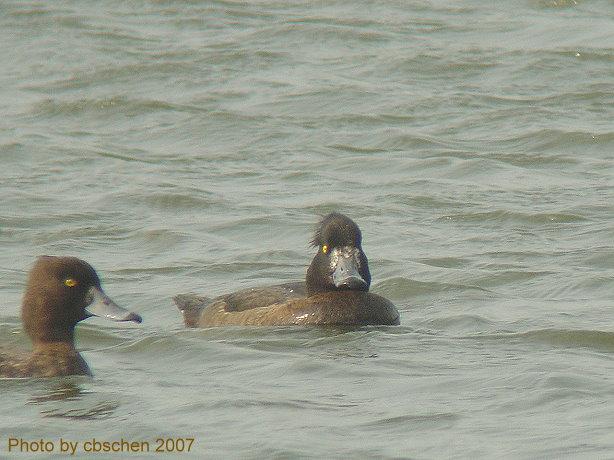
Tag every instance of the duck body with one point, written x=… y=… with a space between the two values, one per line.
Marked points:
x=60 y=292
x=321 y=309
x=50 y=360
x=335 y=292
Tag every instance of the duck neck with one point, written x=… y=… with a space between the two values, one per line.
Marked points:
x=46 y=333
x=56 y=347
x=314 y=281
x=53 y=359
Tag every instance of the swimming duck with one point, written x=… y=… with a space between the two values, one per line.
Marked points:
x=335 y=291
x=60 y=292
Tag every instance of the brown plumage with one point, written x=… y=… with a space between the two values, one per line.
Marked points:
x=335 y=291
x=60 y=292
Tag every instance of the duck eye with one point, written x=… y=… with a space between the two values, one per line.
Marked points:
x=324 y=249
x=70 y=282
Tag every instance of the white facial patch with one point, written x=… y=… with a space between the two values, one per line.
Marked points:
x=344 y=252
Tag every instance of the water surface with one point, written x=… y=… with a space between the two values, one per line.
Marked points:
x=192 y=146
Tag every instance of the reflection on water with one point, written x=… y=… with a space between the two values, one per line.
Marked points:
x=101 y=410
x=70 y=400
x=66 y=390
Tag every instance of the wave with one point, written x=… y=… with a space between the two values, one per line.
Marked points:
x=567 y=338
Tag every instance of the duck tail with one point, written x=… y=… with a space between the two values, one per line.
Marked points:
x=191 y=306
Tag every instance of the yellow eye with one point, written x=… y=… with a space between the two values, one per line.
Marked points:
x=324 y=249
x=70 y=282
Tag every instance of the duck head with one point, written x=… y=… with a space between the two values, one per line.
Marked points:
x=340 y=263
x=60 y=292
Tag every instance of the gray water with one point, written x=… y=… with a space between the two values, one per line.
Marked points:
x=192 y=146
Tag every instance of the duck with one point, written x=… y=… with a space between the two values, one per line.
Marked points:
x=335 y=291
x=60 y=292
